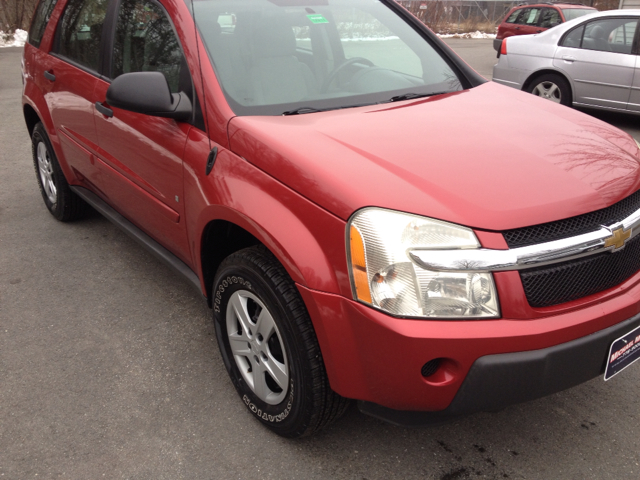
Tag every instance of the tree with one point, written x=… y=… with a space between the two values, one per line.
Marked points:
x=16 y=14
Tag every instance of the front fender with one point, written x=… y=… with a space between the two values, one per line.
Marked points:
x=306 y=239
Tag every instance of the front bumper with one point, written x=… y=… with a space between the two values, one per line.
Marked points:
x=497 y=381
x=485 y=364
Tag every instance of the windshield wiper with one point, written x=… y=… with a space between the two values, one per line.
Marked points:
x=411 y=96
x=301 y=110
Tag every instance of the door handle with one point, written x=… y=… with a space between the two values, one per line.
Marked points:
x=538 y=31
x=568 y=58
x=106 y=111
x=49 y=76
x=517 y=28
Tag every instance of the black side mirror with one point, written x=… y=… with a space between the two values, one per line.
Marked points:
x=148 y=93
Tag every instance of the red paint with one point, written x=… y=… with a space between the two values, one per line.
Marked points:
x=443 y=158
x=506 y=30
x=474 y=158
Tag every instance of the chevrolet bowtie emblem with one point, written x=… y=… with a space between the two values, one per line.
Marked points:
x=617 y=239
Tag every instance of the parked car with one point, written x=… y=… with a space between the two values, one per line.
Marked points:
x=331 y=179
x=588 y=62
x=530 y=19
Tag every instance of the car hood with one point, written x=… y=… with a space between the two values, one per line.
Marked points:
x=490 y=158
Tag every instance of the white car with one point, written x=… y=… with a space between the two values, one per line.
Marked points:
x=590 y=61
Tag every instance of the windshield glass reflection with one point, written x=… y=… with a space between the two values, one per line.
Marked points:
x=276 y=56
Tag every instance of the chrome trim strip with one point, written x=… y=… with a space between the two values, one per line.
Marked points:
x=487 y=260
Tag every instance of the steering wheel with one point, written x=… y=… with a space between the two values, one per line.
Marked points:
x=334 y=74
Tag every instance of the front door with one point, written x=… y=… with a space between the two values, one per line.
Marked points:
x=140 y=155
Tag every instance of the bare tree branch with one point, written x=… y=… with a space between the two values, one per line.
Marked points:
x=16 y=14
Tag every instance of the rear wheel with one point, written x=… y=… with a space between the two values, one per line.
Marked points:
x=58 y=197
x=552 y=87
x=269 y=345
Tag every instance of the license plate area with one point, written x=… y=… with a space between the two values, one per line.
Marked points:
x=623 y=352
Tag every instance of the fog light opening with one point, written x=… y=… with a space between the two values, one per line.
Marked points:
x=431 y=367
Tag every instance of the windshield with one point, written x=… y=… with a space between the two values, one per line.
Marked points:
x=278 y=56
x=571 y=13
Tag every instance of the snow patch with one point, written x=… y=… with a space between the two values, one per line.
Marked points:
x=18 y=39
x=476 y=34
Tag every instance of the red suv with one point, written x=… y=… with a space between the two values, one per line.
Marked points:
x=529 y=19
x=328 y=175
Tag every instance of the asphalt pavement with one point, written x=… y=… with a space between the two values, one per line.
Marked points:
x=109 y=369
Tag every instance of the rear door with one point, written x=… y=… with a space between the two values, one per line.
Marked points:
x=601 y=64
x=71 y=73
x=508 y=27
x=140 y=155
x=527 y=21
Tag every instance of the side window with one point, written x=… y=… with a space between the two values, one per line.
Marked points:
x=81 y=31
x=40 y=21
x=610 y=35
x=574 y=38
x=531 y=18
x=522 y=18
x=549 y=18
x=227 y=22
x=303 y=37
x=622 y=37
x=145 y=42
x=512 y=17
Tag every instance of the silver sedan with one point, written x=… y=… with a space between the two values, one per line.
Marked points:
x=591 y=61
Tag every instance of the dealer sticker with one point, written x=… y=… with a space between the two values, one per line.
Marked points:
x=623 y=352
x=317 y=18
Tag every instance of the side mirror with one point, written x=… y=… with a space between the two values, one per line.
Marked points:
x=148 y=93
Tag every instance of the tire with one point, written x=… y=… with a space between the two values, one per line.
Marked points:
x=63 y=204
x=269 y=346
x=552 y=87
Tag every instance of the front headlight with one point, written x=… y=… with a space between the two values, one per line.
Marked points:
x=383 y=275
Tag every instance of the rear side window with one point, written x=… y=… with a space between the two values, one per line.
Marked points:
x=145 y=42
x=512 y=17
x=550 y=17
x=574 y=38
x=571 y=13
x=610 y=35
x=529 y=16
x=40 y=21
x=81 y=31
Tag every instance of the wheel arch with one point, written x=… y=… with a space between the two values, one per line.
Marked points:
x=302 y=241
x=31 y=117
x=221 y=238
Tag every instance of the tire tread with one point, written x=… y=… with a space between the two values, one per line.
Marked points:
x=329 y=406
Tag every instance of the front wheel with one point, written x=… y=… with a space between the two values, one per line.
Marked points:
x=552 y=87
x=269 y=346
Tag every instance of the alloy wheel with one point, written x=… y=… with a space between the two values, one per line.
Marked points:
x=548 y=90
x=45 y=168
x=257 y=347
